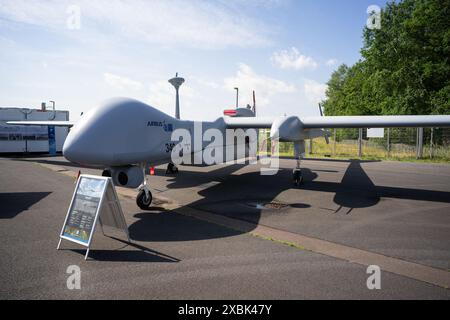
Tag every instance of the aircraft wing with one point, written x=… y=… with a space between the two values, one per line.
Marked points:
x=43 y=123
x=343 y=121
x=375 y=121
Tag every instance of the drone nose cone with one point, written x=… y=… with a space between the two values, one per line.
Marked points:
x=115 y=133
x=72 y=150
x=84 y=150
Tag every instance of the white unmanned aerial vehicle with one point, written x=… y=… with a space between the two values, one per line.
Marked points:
x=124 y=136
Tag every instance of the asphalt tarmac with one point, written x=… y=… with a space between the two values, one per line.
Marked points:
x=227 y=232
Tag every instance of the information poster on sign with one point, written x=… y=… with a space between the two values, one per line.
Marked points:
x=84 y=208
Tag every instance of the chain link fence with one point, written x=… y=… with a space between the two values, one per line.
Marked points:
x=396 y=144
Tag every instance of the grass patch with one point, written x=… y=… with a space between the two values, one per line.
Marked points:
x=287 y=243
x=348 y=149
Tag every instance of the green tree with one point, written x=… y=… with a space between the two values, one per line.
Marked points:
x=404 y=68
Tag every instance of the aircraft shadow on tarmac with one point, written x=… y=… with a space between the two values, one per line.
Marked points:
x=243 y=196
x=356 y=190
x=11 y=204
x=231 y=195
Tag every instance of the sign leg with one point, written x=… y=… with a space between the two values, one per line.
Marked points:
x=86 y=256
x=59 y=244
x=101 y=225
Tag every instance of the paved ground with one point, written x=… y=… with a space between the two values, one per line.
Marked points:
x=398 y=211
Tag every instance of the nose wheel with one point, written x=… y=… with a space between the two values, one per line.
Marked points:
x=106 y=173
x=144 y=199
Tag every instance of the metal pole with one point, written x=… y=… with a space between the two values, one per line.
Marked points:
x=360 y=143
x=310 y=146
x=419 y=143
x=237 y=97
x=431 y=143
x=388 y=141
x=334 y=143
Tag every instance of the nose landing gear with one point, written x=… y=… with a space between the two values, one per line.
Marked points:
x=299 y=149
x=144 y=197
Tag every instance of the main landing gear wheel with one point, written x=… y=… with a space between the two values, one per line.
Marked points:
x=171 y=169
x=143 y=200
x=297 y=177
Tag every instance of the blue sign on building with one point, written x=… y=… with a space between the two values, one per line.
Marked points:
x=51 y=140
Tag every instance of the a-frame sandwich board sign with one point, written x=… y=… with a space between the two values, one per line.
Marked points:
x=94 y=201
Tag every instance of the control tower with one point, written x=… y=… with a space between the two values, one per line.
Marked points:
x=177 y=82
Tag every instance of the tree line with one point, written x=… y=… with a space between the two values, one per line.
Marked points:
x=404 y=66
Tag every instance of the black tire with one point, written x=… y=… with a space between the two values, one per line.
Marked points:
x=106 y=173
x=171 y=169
x=142 y=201
x=297 y=177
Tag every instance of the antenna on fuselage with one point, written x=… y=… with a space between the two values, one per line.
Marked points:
x=177 y=82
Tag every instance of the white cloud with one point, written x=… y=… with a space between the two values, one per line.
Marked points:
x=293 y=59
x=122 y=83
x=192 y=23
x=266 y=87
x=331 y=62
x=314 y=91
x=205 y=82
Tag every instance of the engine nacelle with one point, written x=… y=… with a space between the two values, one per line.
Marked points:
x=130 y=177
x=287 y=129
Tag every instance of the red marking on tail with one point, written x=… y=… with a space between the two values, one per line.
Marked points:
x=229 y=112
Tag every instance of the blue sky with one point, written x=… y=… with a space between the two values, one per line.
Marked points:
x=286 y=50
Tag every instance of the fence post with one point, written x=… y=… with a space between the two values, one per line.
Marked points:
x=360 y=142
x=334 y=143
x=310 y=146
x=419 y=143
x=431 y=143
x=388 y=141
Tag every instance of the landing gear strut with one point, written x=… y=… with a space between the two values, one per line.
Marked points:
x=297 y=174
x=299 y=149
x=171 y=168
x=144 y=197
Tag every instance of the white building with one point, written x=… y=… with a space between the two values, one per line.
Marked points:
x=31 y=138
